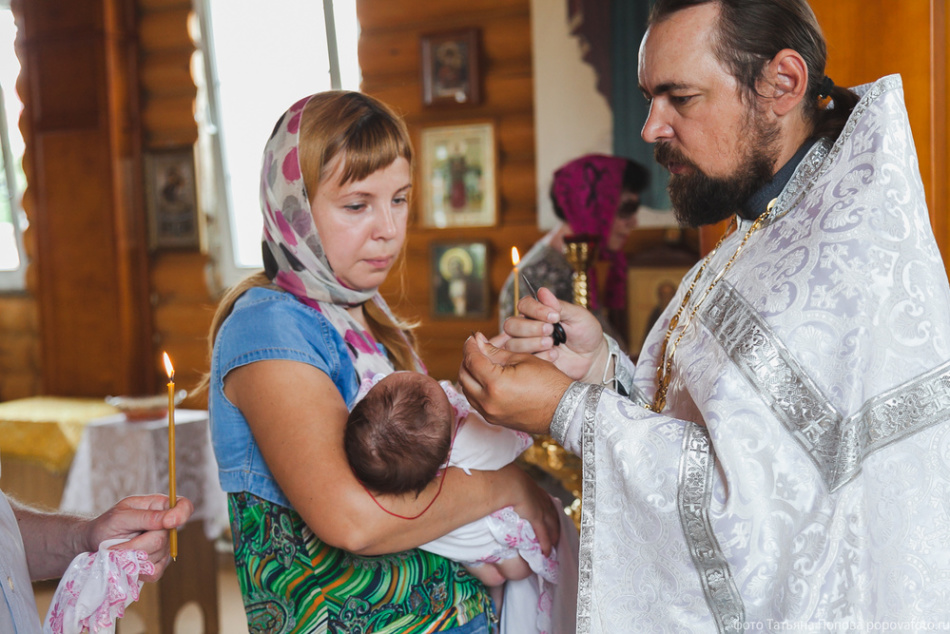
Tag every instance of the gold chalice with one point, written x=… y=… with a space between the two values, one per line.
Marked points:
x=580 y=251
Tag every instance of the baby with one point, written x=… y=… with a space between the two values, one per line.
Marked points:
x=404 y=430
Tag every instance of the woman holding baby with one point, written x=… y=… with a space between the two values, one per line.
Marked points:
x=314 y=552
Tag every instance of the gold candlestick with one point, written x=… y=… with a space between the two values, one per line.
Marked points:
x=580 y=251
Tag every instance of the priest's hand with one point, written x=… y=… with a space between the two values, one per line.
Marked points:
x=511 y=389
x=532 y=332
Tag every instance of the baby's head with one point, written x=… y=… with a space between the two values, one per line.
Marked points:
x=399 y=435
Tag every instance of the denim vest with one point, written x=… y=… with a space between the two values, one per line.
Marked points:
x=267 y=324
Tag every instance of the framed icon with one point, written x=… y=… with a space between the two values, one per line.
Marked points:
x=172 y=199
x=458 y=176
x=649 y=291
x=459 y=280
x=450 y=74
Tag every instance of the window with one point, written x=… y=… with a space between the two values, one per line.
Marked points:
x=257 y=59
x=12 y=180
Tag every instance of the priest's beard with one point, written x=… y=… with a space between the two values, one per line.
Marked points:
x=699 y=199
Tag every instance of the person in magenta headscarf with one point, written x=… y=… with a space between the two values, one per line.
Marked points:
x=597 y=195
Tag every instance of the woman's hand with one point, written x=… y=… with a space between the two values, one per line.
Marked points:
x=531 y=332
x=535 y=506
x=511 y=389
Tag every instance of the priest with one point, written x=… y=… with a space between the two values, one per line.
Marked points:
x=779 y=457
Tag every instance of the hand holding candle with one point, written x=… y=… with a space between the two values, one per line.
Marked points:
x=173 y=535
x=515 y=258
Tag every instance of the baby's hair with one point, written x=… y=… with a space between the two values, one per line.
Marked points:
x=391 y=443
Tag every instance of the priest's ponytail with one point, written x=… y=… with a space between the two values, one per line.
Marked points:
x=831 y=111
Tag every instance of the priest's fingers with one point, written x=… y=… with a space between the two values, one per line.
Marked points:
x=499 y=340
x=485 y=377
x=583 y=330
x=545 y=309
x=548 y=300
x=582 y=346
x=534 y=330
x=481 y=363
x=515 y=390
x=498 y=354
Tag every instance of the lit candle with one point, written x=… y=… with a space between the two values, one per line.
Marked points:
x=515 y=258
x=173 y=535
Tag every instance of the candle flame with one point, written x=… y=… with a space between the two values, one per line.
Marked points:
x=515 y=258
x=168 y=366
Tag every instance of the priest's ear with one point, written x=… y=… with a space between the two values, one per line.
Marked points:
x=784 y=82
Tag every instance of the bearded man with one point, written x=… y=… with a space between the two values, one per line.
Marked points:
x=780 y=456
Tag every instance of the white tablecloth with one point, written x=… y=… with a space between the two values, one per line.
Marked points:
x=116 y=458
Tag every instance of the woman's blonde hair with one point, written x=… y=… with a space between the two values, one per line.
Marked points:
x=367 y=136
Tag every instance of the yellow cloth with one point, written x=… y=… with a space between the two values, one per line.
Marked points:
x=47 y=429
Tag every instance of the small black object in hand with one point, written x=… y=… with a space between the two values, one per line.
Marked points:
x=558 y=335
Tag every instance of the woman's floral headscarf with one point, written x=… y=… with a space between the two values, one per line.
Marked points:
x=587 y=190
x=294 y=258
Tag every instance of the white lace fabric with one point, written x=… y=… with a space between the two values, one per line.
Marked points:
x=96 y=589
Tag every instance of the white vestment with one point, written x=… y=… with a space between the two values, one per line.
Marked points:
x=798 y=478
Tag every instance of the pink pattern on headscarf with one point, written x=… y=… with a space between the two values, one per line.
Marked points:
x=291 y=167
x=290 y=282
x=285 y=229
x=360 y=342
x=588 y=190
x=294 y=124
x=312 y=303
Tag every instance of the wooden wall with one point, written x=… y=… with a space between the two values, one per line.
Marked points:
x=102 y=82
x=182 y=305
x=19 y=347
x=910 y=37
x=390 y=62
x=78 y=86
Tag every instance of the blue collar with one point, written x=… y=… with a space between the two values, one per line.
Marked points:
x=756 y=204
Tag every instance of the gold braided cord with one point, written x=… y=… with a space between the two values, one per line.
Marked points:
x=664 y=370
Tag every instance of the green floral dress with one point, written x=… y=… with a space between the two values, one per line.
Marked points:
x=293 y=582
